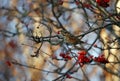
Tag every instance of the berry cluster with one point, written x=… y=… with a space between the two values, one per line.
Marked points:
x=65 y=56
x=8 y=63
x=103 y=3
x=101 y=59
x=82 y=58
x=12 y=44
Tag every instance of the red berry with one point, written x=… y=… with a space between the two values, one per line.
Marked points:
x=106 y=1
x=68 y=76
x=101 y=59
x=68 y=57
x=103 y=3
x=98 y=1
x=58 y=32
x=13 y=44
x=62 y=55
x=77 y=2
x=65 y=56
x=95 y=45
x=91 y=56
x=8 y=63
x=82 y=52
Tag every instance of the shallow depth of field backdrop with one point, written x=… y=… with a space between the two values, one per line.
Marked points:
x=59 y=40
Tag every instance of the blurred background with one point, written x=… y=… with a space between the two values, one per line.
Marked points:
x=32 y=47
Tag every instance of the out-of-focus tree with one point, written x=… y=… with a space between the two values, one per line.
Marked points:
x=59 y=40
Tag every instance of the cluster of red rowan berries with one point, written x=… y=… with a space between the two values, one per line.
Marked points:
x=101 y=59
x=83 y=58
x=66 y=56
x=102 y=3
